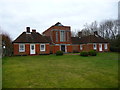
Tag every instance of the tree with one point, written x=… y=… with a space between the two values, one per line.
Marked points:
x=108 y=29
x=89 y=28
x=74 y=33
x=6 y=44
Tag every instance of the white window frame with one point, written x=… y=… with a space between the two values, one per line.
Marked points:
x=41 y=48
x=95 y=46
x=62 y=36
x=105 y=46
x=81 y=47
x=21 y=50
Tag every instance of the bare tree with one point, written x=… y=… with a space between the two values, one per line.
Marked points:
x=6 y=44
x=89 y=29
x=108 y=29
x=74 y=33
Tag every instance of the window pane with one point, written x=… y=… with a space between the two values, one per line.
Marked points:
x=32 y=47
x=105 y=45
x=80 y=47
x=21 y=47
x=94 y=46
x=42 y=47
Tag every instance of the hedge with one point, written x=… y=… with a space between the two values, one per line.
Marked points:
x=84 y=53
x=92 y=53
x=59 y=53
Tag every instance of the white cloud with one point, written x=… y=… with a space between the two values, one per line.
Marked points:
x=15 y=15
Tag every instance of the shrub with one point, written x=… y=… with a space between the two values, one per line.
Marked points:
x=114 y=49
x=92 y=53
x=59 y=53
x=84 y=53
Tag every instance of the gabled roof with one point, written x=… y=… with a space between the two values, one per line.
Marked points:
x=88 y=39
x=58 y=24
x=33 y=37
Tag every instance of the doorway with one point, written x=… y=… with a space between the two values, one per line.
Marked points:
x=32 y=48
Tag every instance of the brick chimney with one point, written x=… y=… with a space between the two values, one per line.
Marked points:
x=28 y=29
x=79 y=34
x=34 y=30
x=95 y=33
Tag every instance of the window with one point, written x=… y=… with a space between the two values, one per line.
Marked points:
x=81 y=47
x=56 y=36
x=42 y=47
x=67 y=36
x=21 y=47
x=62 y=36
x=94 y=46
x=32 y=47
x=105 y=46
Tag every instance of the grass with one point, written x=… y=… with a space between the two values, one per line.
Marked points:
x=67 y=71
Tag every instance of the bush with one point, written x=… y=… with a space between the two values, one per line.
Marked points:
x=59 y=53
x=92 y=53
x=114 y=49
x=84 y=53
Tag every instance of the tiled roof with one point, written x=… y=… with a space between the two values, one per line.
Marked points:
x=75 y=40
x=34 y=37
x=88 y=39
x=48 y=39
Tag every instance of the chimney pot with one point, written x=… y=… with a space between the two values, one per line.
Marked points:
x=33 y=30
x=79 y=34
x=28 y=29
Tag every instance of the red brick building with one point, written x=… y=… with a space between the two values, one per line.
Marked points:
x=55 y=38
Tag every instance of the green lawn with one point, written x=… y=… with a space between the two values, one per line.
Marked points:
x=68 y=71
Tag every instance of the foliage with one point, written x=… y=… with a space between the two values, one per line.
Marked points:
x=59 y=53
x=84 y=53
x=114 y=49
x=107 y=29
x=115 y=44
x=6 y=45
x=92 y=53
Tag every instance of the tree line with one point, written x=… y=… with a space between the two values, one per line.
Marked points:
x=107 y=29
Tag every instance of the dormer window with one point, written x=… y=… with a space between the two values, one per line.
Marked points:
x=58 y=24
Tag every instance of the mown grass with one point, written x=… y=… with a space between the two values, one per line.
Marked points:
x=67 y=71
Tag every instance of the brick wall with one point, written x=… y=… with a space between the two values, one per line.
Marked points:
x=69 y=48
x=88 y=47
x=52 y=33
x=27 y=49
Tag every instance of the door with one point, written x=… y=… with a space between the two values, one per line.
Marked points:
x=32 y=48
x=100 y=47
x=63 y=48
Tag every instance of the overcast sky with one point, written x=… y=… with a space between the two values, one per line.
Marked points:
x=15 y=15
